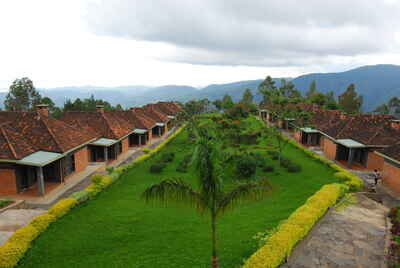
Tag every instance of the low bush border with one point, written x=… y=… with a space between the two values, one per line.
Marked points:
x=14 y=249
x=279 y=244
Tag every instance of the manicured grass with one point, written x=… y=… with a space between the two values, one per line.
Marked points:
x=120 y=230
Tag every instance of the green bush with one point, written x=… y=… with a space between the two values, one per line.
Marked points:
x=146 y=150
x=259 y=158
x=97 y=178
x=81 y=196
x=285 y=162
x=167 y=157
x=110 y=169
x=246 y=167
x=268 y=168
x=157 y=167
x=294 y=168
x=274 y=155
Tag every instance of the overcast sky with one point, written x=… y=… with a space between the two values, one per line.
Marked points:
x=193 y=42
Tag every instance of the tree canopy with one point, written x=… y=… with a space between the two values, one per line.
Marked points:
x=22 y=96
x=350 y=101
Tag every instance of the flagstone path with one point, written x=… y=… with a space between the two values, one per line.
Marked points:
x=347 y=237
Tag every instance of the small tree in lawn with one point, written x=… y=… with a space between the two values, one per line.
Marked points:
x=209 y=198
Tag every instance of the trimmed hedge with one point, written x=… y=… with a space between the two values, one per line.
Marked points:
x=278 y=246
x=62 y=207
x=16 y=246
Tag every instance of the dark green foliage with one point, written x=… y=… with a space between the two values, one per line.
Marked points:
x=285 y=162
x=268 y=168
x=246 y=167
x=22 y=96
x=293 y=168
x=274 y=155
x=157 y=167
x=350 y=101
x=167 y=157
x=183 y=165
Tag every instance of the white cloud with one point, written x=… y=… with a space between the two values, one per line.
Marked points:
x=108 y=43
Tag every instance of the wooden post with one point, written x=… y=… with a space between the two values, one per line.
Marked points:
x=105 y=154
x=351 y=156
x=40 y=181
x=140 y=139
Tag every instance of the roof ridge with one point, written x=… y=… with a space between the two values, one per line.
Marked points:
x=8 y=142
x=108 y=124
x=51 y=133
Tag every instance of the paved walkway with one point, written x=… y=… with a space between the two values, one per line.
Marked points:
x=86 y=181
x=348 y=237
x=12 y=219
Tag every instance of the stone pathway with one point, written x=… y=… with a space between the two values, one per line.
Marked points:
x=12 y=219
x=353 y=236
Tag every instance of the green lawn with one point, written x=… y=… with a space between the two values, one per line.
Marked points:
x=120 y=230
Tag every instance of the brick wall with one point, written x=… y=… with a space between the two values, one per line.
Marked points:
x=165 y=129
x=125 y=145
x=329 y=148
x=8 y=182
x=81 y=159
x=391 y=176
x=297 y=136
x=375 y=161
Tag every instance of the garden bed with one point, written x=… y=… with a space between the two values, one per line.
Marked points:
x=121 y=230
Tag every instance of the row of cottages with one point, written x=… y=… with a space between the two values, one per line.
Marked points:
x=38 y=152
x=363 y=142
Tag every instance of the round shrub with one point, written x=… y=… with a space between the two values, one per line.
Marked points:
x=268 y=168
x=110 y=169
x=285 y=162
x=167 y=157
x=157 y=168
x=97 y=178
x=294 y=168
x=246 y=167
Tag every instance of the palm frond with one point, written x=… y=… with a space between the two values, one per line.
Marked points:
x=243 y=192
x=173 y=191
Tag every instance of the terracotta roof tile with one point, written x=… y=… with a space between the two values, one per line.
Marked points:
x=38 y=132
x=106 y=124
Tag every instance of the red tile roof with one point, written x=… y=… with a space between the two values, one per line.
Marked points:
x=29 y=132
x=137 y=120
x=392 y=152
x=161 y=108
x=152 y=112
x=106 y=124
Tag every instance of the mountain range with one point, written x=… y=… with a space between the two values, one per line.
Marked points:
x=376 y=84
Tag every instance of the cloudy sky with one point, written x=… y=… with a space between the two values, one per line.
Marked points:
x=193 y=42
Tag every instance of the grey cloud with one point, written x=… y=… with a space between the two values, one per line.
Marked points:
x=254 y=32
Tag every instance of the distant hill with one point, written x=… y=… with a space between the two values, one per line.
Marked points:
x=376 y=83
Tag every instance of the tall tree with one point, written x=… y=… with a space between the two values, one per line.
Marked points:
x=247 y=96
x=382 y=109
x=209 y=198
x=350 y=101
x=227 y=102
x=266 y=88
x=22 y=96
x=331 y=102
x=311 y=90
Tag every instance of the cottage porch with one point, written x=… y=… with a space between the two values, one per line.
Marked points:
x=352 y=154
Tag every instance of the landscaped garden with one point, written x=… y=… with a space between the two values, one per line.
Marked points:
x=120 y=229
